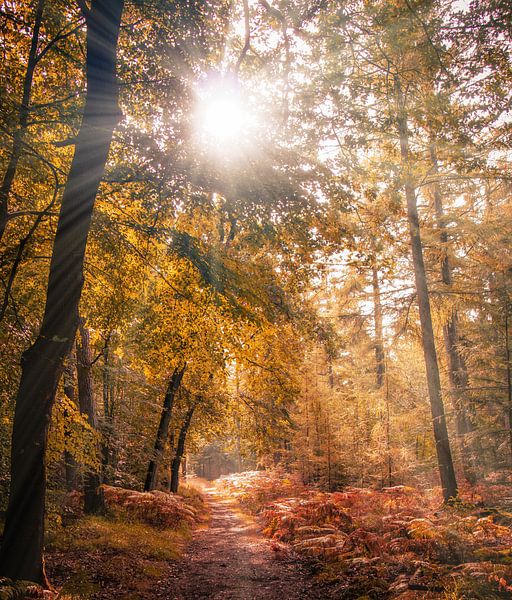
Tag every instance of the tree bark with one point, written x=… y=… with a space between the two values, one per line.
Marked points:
x=180 y=449
x=93 y=498
x=21 y=551
x=19 y=134
x=163 y=428
x=443 y=450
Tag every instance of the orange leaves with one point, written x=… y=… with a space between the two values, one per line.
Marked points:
x=324 y=546
x=158 y=509
x=394 y=539
x=423 y=529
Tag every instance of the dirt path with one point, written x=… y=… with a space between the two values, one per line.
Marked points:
x=232 y=560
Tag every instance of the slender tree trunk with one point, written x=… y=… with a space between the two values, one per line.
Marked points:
x=380 y=368
x=70 y=464
x=238 y=424
x=107 y=424
x=180 y=449
x=388 y=432
x=457 y=369
x=19 y=134
x=329 y=453
x=21 y=551
x=93 y=497
x=163 y=428
x=172 y=451
x=444 y=455
x=381 y=375
x=509 y=373
x=307 y=450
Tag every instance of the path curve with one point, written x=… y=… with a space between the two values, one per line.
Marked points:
x=231 y=560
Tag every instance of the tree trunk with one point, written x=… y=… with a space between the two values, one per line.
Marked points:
x=21 y=552
x=508 y=370
x=388 y=434
x=107 y=425
x=93 y=498
x=457 y=369
x=444 y=455
x=163 y=428
x=180 y=449
x=19 y=134
x=70 y=463
x=380 y=367
x=238 y=422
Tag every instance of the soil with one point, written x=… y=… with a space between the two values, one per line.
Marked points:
x=232 y=560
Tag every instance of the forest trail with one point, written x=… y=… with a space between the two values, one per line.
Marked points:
x=232 y=560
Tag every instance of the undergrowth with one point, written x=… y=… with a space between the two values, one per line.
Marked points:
x=126 y=549
x=385 y=543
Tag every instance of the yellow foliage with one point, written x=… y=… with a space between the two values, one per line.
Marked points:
x=423 y=529
x=71 y=432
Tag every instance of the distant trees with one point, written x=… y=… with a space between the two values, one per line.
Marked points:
x=388 y=81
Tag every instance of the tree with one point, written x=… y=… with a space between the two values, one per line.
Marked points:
x=17 y=140
x=180 y=450
x=21 y=551
x=445 y=462
x=93 y=498
x=163 y=428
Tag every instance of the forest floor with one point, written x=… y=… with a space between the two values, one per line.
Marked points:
x=226 y=558
x=232 y=560
x=263 y=535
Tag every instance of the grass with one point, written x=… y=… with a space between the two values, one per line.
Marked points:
x=126 y=554
x=100 y=533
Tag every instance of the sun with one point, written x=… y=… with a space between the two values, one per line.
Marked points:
x=223 y=117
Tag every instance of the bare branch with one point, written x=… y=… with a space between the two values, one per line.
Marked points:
x=25 y=213
x=247 y=43
x=60 y=36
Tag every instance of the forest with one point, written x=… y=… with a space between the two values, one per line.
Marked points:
x=255 y=299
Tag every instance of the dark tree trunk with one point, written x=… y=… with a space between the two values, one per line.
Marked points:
x=70 y=463
x=93 y=497
x=107 y=425
x=444 y=455
x=163 y=428
x=457 y=369
x=180 y=449
x=22 y=545
x=19 y=134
